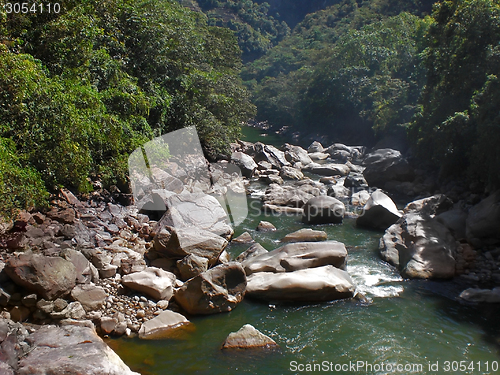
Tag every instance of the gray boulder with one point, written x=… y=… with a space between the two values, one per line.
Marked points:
x=455 y=221
x=483 y=222
x=191 y=265
x=180 y=243
x=288 y=196
x=217 y=290
x=247 y=337
x=270 y=154
x=244 y=162
x=90 y=296
x=323 y=210
x=70 y=350
x=50 y=277
x=317 y=156
x=305 y=235
x=325 y=283
x=196 y=211
x=328 y=169
x=315 y=147
x=380 y=212
x=290 y=173
x=265 y=226
x=385 y=165
x=430 y=206
x=355 y=180
x=297 y=256
x=153 y=281
x=296 y=154
x=420 y=247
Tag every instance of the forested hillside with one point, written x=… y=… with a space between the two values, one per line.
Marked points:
x=362 y=71
x=81 y=89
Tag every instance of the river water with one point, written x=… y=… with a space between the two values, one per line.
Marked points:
x=409 y=326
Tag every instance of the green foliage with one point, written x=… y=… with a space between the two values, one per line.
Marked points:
x=255 y=29
x=81 y=90
x=19 y=186
x=341 y=77
x=457 y=125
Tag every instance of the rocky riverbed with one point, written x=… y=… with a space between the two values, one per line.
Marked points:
x=96 y=265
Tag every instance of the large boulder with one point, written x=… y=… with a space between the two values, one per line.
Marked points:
x=315 y=147
x=297 y=256
x=70 y=350
x=289 y=196
x=247 y=337
x=455 y=221
x=431 y=206
x=380 y=212
x=162 y=325
x=270 y=154
x=420 y=246
x=244 y=162
x=196 y=211
x=328 y=169
x=290 y=173
x=219 y=289
x=296 y=154
x=152 y=281
x=384 y=165
x=179 y=243
x=325 y=283
x=50 y=277
x=305 y=235
x=191 y=266
x=323 y=210
x=91 y=297
x=483 y=222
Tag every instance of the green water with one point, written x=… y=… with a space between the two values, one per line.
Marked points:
x=253 y=135
x=408 y=322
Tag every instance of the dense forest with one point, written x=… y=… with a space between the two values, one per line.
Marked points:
x=82 y=88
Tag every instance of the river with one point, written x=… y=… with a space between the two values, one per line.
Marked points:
x=409 y=326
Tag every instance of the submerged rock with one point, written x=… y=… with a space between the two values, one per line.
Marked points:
x=162 y=325
x=247 y=337
x=481 y=295
x=325 y=283
x=305 y=235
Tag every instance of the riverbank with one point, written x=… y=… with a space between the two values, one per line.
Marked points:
x=105 y=241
